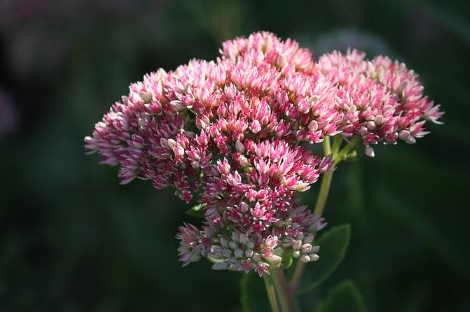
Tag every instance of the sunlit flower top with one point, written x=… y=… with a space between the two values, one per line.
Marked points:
x=235 y=135
x=380 y=100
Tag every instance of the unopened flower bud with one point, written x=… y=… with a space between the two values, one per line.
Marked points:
x=255 y=126
x=146 y=97
x=275 y=259
x=306 y=248
x=363 y=130
x=239 y=147
x=224 y=242
x=297 y=244
x=313 y=125
x=281 y=61
x=220 y=265
x=238 y=253
x=195 y=258
x=369 y=151
x=233 y=245
x=244 y=239
x=171 y=143
x=244 y=208
x=410 y=139
x=302 y=186
x=379 y=120
x=243 y=161
x=142 y=121
x=309 y=239
x=404 y=134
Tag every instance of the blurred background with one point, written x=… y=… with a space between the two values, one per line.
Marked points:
x=73 y=239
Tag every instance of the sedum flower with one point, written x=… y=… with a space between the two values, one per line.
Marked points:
x=380 y=99
x=233 y=247
x=235 y=135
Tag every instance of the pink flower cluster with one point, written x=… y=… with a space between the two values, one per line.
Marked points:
x=235 y=134
x=380 y=100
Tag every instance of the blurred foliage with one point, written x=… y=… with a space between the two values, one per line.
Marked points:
x=73 y=239
x=334 y=244
x=344 y=297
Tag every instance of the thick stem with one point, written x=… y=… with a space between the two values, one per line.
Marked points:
x=324 y=191
x=295 y=280
x=284 y=293
x=336 y=144
x=284 y=290
x=338 y=156
x=268 y=282
x=319 y=207
x=325 y=182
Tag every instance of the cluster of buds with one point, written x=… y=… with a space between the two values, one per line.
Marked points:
x=235 y=135
x=380 y=99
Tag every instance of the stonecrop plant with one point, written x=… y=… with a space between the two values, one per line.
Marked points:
x=237 y=136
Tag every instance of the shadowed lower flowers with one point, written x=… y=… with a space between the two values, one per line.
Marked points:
x=235 y=134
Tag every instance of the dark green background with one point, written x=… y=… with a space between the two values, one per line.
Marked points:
x=73 y=239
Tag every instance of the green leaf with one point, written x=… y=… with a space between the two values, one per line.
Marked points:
x=333 y=245
x=344 y=297
x=197 y=211
x=253 y=294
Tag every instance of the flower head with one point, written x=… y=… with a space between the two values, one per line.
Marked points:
x=235 y=134
x=380 y=100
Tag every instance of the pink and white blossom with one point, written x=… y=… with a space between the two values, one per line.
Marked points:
x=236 y=133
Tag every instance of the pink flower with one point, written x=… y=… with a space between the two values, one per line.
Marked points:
x=381 y=100
x=236 y=133
x=193 y=244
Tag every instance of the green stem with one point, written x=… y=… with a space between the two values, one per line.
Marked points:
x=295 y=280
x=326 y=146
x=324 y=191
x=337 y=156
x=319 y=207
x=284 y=294
x=271 y=293
x=336 y=144
x=328 y=176
x=286 y=291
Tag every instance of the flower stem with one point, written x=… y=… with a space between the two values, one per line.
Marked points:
x=294 y=282
x=319 y=207
x=268 y=282
x=324 y=190
x=284 y=293
x=338 y=156
x=337 y=153
x=336 y=144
